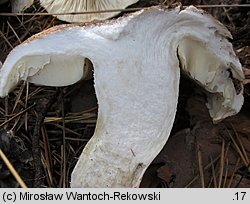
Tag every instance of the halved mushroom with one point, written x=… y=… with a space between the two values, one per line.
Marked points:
x=136 y=72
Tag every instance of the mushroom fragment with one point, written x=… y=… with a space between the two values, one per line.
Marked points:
x=74 y=6
x=20 y=5
x=136 y=73
x=69 y=6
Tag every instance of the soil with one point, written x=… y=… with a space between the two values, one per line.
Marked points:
x=43 y=141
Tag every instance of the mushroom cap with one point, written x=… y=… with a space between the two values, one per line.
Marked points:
x=68 y=6
x=20 y=5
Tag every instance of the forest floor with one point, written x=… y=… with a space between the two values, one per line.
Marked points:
x=43 y=141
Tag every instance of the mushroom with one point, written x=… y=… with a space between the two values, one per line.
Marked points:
x=69 y=6
x=136 y=62
x=20 y=5
x=72 y=6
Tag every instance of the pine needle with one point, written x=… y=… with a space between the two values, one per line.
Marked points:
x=213 y=173
x=201 y=168
x=12 y=169
x=221 y=163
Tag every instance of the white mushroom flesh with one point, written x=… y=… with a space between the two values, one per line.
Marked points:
x=45 y=69
x=136 y=75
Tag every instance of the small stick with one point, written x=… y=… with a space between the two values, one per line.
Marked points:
x=36 y=139
x=118 y=10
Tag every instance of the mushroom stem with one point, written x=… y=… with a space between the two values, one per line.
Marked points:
x=137 y=97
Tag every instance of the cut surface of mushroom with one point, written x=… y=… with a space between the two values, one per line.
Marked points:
x=136 y=63
x=69 y=6
x=46 y=69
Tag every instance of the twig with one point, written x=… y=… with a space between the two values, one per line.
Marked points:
x=35 y=140
x=85 y=118
x=118 y=10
